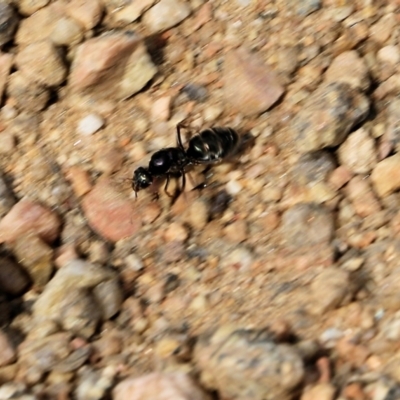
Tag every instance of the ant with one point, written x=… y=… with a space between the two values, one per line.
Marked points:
x=210 y=146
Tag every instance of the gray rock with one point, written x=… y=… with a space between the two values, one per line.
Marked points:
x=7 y=199
x=28 y=95
x=41 y=355
x=306 y=7
x=314 y=167
x=68 y=299
x=13 y=279
x=307 y=224
x=8 y=23
x=248 y=364
x=327 y=116
x=109 y=296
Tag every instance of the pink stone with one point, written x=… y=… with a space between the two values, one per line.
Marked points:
x=29 y=217
x=110 y=214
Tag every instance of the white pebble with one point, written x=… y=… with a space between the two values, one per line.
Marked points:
x=9 y=112
x=90 y=124
x=233 y=187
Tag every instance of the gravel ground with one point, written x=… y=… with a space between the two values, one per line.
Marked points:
x=279 y=280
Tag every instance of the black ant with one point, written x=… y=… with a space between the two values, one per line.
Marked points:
x=210 y=146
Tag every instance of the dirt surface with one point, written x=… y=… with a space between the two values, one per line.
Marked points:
x=278 y=280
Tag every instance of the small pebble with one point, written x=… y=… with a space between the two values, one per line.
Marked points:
x=66 y=32
x=166 y=14
x=176 y=232
x=320 y=391
x=385 y=176
x=90 y=124
x=161 y=109
x=108 y=159
x=87 y=12
x=233 y=187
x=358 y=152
x=349 y=67
x=328 y=290
x=196 y=92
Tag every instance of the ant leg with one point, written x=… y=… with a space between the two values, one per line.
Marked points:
x=166 y=186
x=178 y=135
x=183 y=181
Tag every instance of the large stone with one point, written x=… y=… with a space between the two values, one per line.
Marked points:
x=328 y=115
x=250 y=87
x=115 y=65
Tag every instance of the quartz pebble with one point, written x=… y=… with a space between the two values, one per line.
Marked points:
x=66 y=32
x=159 y=386
x=27 y=216
x=90 y=124
x=248 y=364
x=250 y=87
x=166 y=14
x=358 y=152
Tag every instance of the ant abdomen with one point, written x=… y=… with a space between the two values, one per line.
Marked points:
x=213 y=145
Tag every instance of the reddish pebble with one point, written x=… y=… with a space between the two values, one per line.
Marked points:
x=110 y=214
x=29 y=217
x=339 y=177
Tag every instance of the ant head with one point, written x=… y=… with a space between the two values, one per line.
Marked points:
x=142 y=179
